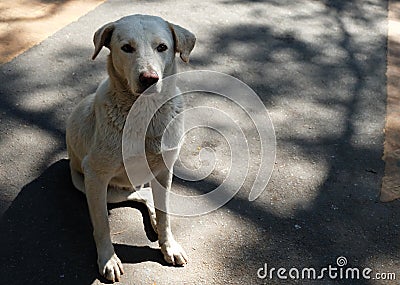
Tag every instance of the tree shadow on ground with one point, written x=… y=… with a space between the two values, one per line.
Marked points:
x=345 y=218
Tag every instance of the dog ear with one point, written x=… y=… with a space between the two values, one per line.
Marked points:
x=184 y=41
x=102 y=37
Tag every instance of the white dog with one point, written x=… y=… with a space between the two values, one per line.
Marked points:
x=142 y=52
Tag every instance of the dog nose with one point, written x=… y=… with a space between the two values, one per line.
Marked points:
x=148 y=78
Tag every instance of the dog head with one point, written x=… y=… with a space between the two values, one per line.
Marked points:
x=142 y=49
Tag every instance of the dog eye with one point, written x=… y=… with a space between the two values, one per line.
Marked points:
x=162 y=47
x=127 y=48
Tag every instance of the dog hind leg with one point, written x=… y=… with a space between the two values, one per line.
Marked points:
x=78 y=180
x=140 y=194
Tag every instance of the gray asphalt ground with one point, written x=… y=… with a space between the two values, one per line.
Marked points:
x=319 y=68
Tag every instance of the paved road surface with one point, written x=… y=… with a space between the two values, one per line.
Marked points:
x=319 y=68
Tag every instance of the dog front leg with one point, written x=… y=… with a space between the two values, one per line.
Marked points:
x=172 y=251
x=96 y=184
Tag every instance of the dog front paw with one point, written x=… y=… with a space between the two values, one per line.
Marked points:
x=111 y=268
x=174 y=253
